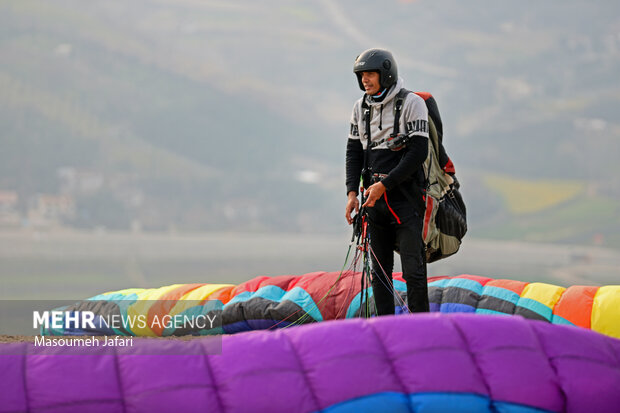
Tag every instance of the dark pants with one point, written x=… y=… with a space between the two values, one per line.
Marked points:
x=386 y=233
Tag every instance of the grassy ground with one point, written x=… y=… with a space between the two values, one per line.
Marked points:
x=526 y=197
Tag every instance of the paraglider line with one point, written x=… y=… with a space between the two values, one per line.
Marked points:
x=306 y=314
x=390 y=283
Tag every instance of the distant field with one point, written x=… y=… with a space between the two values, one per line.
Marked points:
x=582 y=220
x=74 y=265
x=525 y=196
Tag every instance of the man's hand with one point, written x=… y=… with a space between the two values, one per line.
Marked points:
x=373 y=193
x=352 y=203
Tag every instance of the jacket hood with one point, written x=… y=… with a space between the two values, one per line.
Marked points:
x=391 y=93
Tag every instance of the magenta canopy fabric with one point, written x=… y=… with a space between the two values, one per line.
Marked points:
x=408 y=363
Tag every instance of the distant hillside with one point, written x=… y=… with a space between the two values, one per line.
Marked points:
x=214 y=115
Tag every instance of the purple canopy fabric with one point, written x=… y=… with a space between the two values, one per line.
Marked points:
x=413 y=363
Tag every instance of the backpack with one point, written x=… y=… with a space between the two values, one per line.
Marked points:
x=445 y=215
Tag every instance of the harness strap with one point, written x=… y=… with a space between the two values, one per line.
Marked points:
x=375 y=144
x=366 y=111
x=398 y=106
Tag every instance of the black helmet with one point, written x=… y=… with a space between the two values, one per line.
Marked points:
x=376 y=60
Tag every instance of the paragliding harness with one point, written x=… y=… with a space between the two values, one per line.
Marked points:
x=445 y=215
x=360 y=235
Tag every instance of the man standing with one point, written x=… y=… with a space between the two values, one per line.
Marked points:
x=392 y=176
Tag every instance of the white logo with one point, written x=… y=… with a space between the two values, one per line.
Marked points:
x=361 y=63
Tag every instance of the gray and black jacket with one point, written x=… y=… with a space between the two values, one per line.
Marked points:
x=403 y=168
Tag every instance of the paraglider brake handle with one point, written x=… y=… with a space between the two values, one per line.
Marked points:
x=358 y=219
